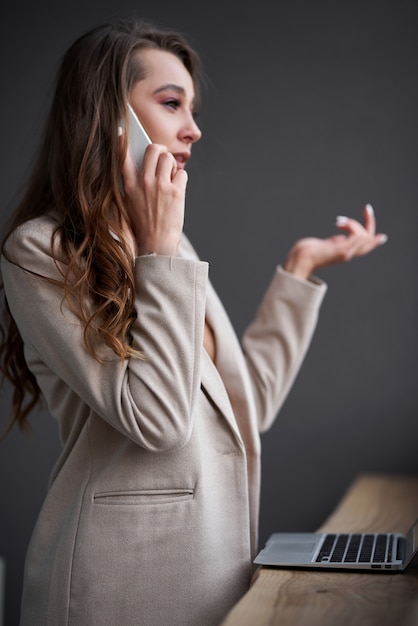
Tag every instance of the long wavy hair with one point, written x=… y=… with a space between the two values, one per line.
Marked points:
x=76 y=175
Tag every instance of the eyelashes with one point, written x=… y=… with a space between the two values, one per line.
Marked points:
x=172 y=103
x=175 y=104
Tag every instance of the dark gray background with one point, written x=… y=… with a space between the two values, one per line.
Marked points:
x=310 y=111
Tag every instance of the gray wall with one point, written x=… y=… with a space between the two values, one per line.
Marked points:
x=310 y=111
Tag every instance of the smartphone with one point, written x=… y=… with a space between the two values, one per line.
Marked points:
x=138 y=139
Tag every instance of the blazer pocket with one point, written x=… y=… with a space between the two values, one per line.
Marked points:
x=143 y=496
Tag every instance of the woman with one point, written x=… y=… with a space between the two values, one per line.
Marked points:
x=151 y=512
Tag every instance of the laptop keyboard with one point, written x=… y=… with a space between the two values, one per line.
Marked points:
x=358 y=548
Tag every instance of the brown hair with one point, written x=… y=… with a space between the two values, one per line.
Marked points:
x=76 y=174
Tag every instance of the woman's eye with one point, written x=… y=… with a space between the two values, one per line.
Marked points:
x=172 y=103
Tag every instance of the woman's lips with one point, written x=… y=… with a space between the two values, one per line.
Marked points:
x=181 y=159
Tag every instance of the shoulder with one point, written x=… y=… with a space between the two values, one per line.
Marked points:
x=35 y=234
x=30 y=242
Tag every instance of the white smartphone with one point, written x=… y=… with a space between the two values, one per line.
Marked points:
x=138 y=139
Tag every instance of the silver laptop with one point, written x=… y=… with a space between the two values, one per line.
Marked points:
x=354 y=551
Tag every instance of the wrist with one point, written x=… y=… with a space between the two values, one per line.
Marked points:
x=163 y=249
x=298 y=265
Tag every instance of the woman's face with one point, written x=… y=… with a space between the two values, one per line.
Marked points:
x=164 y=103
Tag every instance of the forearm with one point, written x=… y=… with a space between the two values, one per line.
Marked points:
x=276 y=342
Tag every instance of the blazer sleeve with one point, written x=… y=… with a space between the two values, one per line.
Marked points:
x=276 y=342
x=151 y=400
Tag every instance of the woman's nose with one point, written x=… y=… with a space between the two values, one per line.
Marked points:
x=191 y=131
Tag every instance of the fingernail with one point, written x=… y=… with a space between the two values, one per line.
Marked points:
x=341 y=219
x=120 y=130
x=370 y=209
x=383 y=239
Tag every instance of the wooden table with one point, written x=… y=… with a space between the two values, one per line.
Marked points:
x=282 y=597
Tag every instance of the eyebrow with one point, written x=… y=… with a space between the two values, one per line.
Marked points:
x=172 y=86
x=177 y=88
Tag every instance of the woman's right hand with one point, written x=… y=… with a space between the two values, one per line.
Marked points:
x=155 y=200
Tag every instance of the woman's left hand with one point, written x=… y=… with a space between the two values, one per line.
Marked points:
x=310 y=254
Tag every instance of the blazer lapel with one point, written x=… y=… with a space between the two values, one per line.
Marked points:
x=214 y=387
x=226 y=381
x=232 y=371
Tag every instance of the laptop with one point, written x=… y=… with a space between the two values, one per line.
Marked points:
x=350 y=551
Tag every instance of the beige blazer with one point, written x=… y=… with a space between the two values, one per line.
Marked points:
x=151 y=514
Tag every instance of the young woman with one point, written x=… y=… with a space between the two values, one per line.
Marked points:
x=151 y=513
